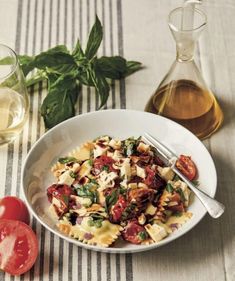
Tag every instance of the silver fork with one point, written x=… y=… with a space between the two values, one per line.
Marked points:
x=213 y=207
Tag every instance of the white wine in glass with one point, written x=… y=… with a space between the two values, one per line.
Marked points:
x=14 y=102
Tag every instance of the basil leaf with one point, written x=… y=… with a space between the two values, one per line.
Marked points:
x=26 y=63
x=132 y=66
x=180 y=191
x=88 y=192
x=101 y=86
x=111 y=199
x=94 y=40
x=65 y=160
x=78 y=53
x=169 y=188
x=111 y=67
x=58 y=105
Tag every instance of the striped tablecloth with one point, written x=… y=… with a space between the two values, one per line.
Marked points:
x=136 y=29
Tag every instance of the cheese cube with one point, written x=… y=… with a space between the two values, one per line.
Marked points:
x=156 y=232
x=166 y=173
x=65 y=178
x=140 y=172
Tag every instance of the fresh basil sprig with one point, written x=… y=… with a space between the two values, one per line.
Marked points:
x=66 y=71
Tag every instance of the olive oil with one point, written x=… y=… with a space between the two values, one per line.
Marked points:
x=189 y=105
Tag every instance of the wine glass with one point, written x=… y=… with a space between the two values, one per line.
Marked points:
x=14 y=101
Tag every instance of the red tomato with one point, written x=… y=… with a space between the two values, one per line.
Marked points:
x=187 y=167
x=13 y=208
x=18 y=247
x=103 y=161
x=118 y=208
x=132 y=232
x=59 y=191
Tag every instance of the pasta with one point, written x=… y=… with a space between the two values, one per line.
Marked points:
x=109 y=189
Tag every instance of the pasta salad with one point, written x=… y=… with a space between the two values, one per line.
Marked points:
x=108 y=189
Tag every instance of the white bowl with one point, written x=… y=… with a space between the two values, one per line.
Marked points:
x=36 y=175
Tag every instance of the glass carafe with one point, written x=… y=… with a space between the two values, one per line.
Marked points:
x=183 y=95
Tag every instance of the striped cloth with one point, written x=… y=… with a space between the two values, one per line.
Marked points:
x=137 y=30
x=41 y=25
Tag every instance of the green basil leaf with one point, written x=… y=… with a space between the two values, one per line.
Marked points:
x=78 y=53
x=169 y=188
x=101 y=86
x=58 y=105
x=65 y=160
x=111 y=199
x=180 y=191
x=94 y=40
x=26 y=63
x=132 y=66
x=111 y=67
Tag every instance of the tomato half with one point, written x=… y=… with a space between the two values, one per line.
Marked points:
x=132 y=232
x=18 y=247
x=187 y=167
x=13 y=208
x=118 y=208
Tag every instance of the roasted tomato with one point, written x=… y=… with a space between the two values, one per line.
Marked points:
x=103 y=162
x=62 y=194
x=178 y=205
x=187 y=167
x=140 y=197
x=134 y=232
x=117 y=209
x=153 y=180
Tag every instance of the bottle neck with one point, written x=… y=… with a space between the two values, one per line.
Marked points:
x=185 y=50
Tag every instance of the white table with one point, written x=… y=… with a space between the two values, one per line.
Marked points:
x=138 y=30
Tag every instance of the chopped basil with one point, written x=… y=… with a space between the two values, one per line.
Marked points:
x=143 y=235
x=180 y=191
x=128 y=210
x=105 y=168
x=93 y=181
x=177 y=214
x=195 y=182
x=176 y=178
x=169 y=188
x=95 y=220
x=65 y=199
x=90 y=162
x=130 y=146
x=87 y=191
x=111 y=199
x=65 y=160
x=73 y=175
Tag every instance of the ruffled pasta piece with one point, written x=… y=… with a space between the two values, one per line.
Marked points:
x=162 y=203
x=148 y=241
x=83 y=152
x=57 y=169
x=174 y=222
x=103 y=236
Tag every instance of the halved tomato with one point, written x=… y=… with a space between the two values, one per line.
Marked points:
x=18 y=247
x=13 y=208
x=187 y=167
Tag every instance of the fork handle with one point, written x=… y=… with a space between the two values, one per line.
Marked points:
x=213 y=207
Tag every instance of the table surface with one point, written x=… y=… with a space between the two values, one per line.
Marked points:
x=138 y=30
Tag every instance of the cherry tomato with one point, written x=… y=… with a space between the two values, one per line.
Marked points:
x=134 y=232
x=18 y=247
x=103 y=162
x=118 y=208
x=187 y=167
x=14 y=208
x=153 y=180
x=62 y=194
